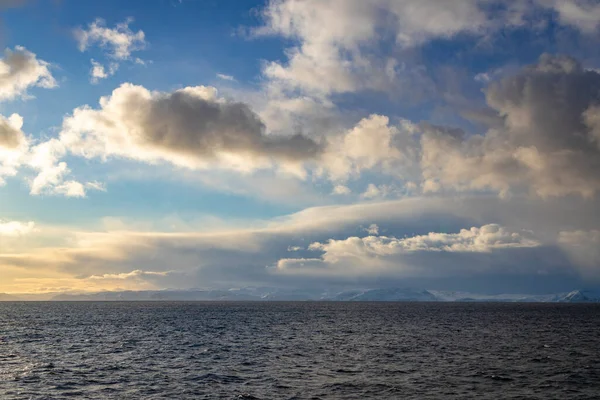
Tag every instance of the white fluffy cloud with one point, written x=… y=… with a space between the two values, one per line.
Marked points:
x=51 y=178
x=99 y=72
x=118 y=43
x=373 y=143
x=20 y=70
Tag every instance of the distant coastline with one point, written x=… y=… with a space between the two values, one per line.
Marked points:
x=274 y=294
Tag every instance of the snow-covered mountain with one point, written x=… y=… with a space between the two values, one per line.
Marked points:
x=580 y=296
x=282 y=294
x=505 y=298
x=395 y=294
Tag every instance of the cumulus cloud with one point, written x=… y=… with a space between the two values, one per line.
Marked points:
x=51 y=172
x=118 y=43
x=352 y=45
x=190 y=127
x=20 y=70
x=546 y=140
x=373 y=143
x=11 y=135
x=548 y=143
x=99 y=72
x=13 y=146
x=338 y=40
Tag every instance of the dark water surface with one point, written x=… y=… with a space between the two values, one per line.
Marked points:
x=299 y=351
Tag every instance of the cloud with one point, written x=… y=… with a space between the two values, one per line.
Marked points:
x=582 y=14
x=545 y=140
x=133 y=280
x=341 y=190
x=346 y=46
x=364 y=255
x=380 y=191
x=548 y=143
x=19 y=70
x=51 y=179
x=16 y=228
x=240 y=256
x=190 y=127
x=118 y=43
x=11 y=135
x=13 y=146
x=372 y=144
x=226 y=77
x=372 y=230
x=98 y=71
x=340 y=42
x=128 y=275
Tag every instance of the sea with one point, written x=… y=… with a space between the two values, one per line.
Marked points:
x=298 y=350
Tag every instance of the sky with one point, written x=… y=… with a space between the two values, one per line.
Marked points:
x=179 y=144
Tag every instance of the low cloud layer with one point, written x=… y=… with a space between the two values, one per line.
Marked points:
x=422 y=242
x=376 y=254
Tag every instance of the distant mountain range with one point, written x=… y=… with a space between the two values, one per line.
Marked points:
x=274 y=294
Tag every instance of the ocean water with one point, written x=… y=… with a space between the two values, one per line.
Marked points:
x=299 y=351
